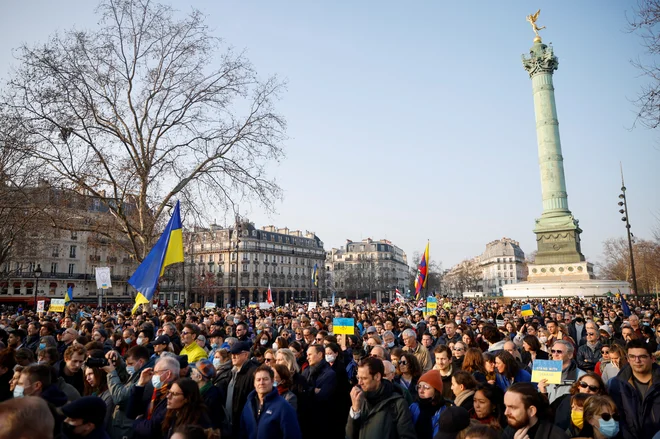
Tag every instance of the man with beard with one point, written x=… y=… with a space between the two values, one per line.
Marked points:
x=377 y=410
x=526 y=414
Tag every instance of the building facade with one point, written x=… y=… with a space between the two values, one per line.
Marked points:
x=236 y=265
x=502 y=263
x=366 y=270
x=49 y=260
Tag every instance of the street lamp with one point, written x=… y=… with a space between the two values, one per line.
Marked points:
x=625 y=218
x=37 y=275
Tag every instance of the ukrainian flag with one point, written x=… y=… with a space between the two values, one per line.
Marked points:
x=315 y=275
x=526 y=310
x=68 y=296
x=167 y=251
x=343 y=325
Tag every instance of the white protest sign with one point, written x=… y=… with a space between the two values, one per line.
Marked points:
x=311 y=305
x=103 y=280
x=209 y=305
x=41 y=305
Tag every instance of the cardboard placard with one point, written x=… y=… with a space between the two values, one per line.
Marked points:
x=56 y=305
x=41 y=305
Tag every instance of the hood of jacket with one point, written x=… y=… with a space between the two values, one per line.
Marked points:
x=626 y=374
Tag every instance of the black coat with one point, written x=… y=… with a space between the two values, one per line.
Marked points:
x=242 y=388
x=326 y=400
x=639 y=419
x=545 y=431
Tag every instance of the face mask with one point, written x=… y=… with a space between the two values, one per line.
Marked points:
x=578 y=418
x=608 y=428
x=607 y=322
x=263 y=342
x=42 y=345
x=155 y=381
x=18 y=391
x=236 y=321
x=579 y=320
x=275 y=346
x=139 y=341
x=458 y=321
x=216 y=363
x=130 y=370
x=128 y=340
x=275 y=384
x=258 y=331
x=543 y=339
x=214 y=345
x=298 y=337
x=330 y=358
x=390 y=344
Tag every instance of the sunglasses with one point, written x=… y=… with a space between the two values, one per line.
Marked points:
x=268 y=360
x=402 y=363
x=606 y=417
x=591 y=333
x=556 y=351
x=584 y=385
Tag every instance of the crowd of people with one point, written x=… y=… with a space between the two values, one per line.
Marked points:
x=463 y=371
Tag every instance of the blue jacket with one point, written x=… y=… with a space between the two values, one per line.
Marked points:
x=144 y=428
x=521 y=377
x=639 y=419
x=414 y=412
x=278 y=419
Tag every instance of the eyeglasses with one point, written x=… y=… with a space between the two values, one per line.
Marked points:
x=591 y=333
x=186 y=333
x=584 y=385
x=268 y=360
x=319 y=339
x=606 y=417
x=458 y=349
x=556 y=351
x=171 y=394
x=423 y=387
x=632 y=357
x=403 y=363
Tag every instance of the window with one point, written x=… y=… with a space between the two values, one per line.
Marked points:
x=72 y=251
x=74 y=235
x=498 y=260
x=233 y=256
x=256 y=257
x=221 y=268
x=233 y=269
x=72 y=268
x=56 y=251
x=211 y=258
x=245 y=267
x=201 y=258
x=53 y=267
x=511 y=274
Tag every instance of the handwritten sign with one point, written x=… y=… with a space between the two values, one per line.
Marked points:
x=431 y=305
x=546 y=370
x=342 y=325
x=56 y=305
x=209 y=305
x=41 y=305
x=103 y=279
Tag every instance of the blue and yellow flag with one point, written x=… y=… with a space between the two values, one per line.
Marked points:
x=343 y=325
x=526 y=310
x=315 y=275
x=68 y=296
x=167 y=251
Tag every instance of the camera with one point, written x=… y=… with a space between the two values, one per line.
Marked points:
x=96 y=362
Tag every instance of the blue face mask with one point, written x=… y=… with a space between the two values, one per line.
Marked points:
x=214 y=345
x=155 y=381
x=608 y=428
x=42 y=345
x=130 y=370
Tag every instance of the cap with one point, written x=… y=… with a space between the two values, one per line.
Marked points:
x=606 y=329
x=241 y=346
x=201 y=338
x=161 y=339
x=88 y=408
x=453 y=420
x=432 y=378
x=102 y=332
x=205 y=367
x=371 y=329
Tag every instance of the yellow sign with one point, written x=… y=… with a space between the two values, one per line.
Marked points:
x=546 y=370
x=342 y=325
x=56 y=305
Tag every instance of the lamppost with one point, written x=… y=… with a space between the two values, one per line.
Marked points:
x=37 y=275
x=624 y=210
x=203 y=276
x=238 y=241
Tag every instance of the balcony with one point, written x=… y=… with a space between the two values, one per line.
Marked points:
x=95 y=258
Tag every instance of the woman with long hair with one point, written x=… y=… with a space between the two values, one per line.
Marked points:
x=184 y=407
x=410 y=372
x=488 y=406
x=468 y=339
x=473 y=363
x=589 y=384
x=489 y=366
x=509 y=371
x=282 y=381
x=298 y=386
x=577 y=419
x=463 y=386
x=96 y=384
x=617 y=362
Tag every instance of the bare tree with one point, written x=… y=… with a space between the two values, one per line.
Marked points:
x=645 y=21
x=617 y=262
x=147 y=109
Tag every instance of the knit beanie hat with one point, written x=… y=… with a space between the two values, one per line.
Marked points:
x=433 y=379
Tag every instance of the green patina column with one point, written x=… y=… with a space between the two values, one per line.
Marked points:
x=557 y=231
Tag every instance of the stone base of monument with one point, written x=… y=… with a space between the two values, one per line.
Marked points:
x=565 y=288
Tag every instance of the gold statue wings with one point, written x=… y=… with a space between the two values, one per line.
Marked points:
x=534 y=17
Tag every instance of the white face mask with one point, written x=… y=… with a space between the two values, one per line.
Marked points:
x=19 y=391
x=543 y=339
x=330 y=358
x=263 y=342
x=139 y=341
x=216 y=363
x=275 y=383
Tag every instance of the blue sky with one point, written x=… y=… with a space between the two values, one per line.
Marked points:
x=414 y=120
